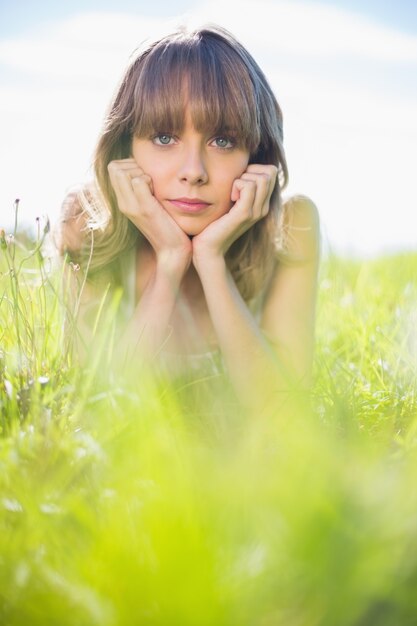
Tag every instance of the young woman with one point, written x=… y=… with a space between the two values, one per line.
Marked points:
x=185 y=215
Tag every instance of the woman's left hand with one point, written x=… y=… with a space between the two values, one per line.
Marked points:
x=251 y=194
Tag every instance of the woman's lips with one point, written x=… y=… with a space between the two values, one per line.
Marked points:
x=190 y=205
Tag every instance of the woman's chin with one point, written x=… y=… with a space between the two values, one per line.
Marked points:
x=191 y=226
x=192 y=232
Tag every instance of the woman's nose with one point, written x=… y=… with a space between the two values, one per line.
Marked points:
x=193 y=168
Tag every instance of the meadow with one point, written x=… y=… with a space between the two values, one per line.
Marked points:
x=136 y=501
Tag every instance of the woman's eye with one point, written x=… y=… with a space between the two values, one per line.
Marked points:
x=162 y=139
x=223 y=142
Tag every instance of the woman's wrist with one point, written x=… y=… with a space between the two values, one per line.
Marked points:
x=207 y=265
x=173 y=263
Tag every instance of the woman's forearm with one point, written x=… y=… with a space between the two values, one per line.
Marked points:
x=258 y=374
x=145 y=332
x=148 y=328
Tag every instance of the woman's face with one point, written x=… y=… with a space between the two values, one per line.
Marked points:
x=192 y=173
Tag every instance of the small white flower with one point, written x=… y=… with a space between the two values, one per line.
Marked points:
x=8 y=388
x=12 y=505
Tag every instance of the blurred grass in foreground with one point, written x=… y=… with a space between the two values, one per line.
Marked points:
x=121 y=505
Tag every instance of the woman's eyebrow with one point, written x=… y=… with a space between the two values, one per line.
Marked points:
x=225 y=130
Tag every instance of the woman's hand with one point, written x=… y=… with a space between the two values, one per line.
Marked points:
x=134 y=193
x=251 y=194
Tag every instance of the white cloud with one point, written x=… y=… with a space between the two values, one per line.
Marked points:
x=306 y=28
x=103 y=40
x=90 y=45
x=350 y=145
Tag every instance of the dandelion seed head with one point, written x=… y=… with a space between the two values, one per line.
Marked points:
x=8 y=387
x=12 y=505
x=22 y=574
x=49 y=508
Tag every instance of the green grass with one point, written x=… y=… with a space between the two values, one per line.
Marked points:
x=128 y=502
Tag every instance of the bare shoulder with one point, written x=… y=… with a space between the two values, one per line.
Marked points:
x=70 y=230
x=301 y=211
x=299 y=236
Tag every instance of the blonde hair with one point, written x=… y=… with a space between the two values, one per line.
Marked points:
x=226 y=90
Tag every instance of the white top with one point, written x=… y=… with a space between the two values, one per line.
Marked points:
x=208 y=363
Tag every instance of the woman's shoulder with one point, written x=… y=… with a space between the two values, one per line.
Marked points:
x=300 y=210
x=299 y=230
x=72 y=225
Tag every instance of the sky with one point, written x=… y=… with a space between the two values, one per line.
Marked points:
x=345 y=74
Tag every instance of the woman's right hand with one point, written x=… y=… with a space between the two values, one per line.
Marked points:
x=134 y=193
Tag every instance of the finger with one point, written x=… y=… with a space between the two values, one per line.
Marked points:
x=126 y=165
x=269 y=170
x=129 y=195
x=142 y=186
x=243 y=193
x=139 y=175
x=123 y=189
x=261 y=168
x=131 y=169
x=122 y=162
x=263 y=192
